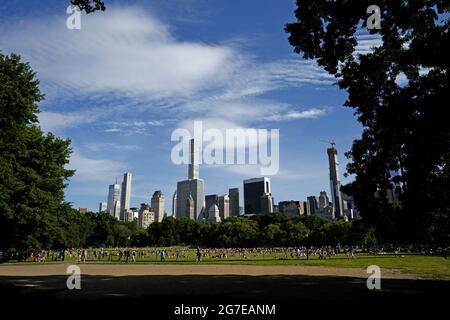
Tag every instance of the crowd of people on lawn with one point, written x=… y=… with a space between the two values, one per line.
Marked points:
x=185 y=253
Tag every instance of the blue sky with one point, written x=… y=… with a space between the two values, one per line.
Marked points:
x=121 y=84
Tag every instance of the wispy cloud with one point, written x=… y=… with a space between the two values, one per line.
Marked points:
x=101 y=147
x=94 y=170
x=53 y=121
x=125 y=51
x=312 y=113
x=131 y=56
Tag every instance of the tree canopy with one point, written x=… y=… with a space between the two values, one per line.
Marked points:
x=89 y=6
x=398 y=92
x=32 y=164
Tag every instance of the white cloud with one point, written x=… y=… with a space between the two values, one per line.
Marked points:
x=101 y=147
x=123 y=51
x=94 y=170
x=295 y=115
x=248 y=111
x=53 y=121
x=128 y=63
x=112 y=130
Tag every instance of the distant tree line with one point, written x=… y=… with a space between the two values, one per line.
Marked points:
x=270 y=230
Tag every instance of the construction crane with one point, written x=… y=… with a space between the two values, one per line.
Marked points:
x=330 y=142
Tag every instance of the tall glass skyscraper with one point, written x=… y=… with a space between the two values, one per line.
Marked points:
x=125 y=199
x=254 y=189
x=113 y=196
x=234 y=202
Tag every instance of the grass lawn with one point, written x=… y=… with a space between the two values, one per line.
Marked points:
x=435 y=267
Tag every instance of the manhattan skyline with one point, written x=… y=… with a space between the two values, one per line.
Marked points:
x=120 y=114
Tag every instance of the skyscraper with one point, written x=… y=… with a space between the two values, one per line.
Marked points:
x=335 y=184
x=254 y=189
x=323 y=200
x=190 y=207
x=174 y=204
x=233 y=193
x=224 y=207
x=210 y=200
x=193 y=187
x=102 y=207
x=146 y=216
x=266 y=203
x=193 y=160
x=214 y=213
x=125 y=197
x=304 y=208
x=291 y=208
x=113 y=196
x=312 y=205
x=116 y=210
x=157 y=204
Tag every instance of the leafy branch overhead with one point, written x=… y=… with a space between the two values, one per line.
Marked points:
x=399 y=93
x=89 y=6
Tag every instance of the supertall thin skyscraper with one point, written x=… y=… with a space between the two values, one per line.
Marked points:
x=125 y=198
x=193 y=160
x=335 y=184
x=192 y=188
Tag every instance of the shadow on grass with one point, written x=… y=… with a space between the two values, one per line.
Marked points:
x=212 y=289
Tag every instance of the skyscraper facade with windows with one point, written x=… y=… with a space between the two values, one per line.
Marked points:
x=254 y=189
x=125 y=198
x=233 y=194
x=193 y=188
x=113 y=196
x=157 y=205
x=335 y=184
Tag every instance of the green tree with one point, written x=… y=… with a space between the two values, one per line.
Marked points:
x=32 y=172
x=398 y=92
x=295 y=233
x=169 y=235
x=273 y=235
x=89 y=6
x=360 y=233
x=103 y=233
x=336 y=232
x=237 y=233
x=122 y=235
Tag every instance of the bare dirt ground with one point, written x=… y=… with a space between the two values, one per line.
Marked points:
x=119 y=270
x=158 y=289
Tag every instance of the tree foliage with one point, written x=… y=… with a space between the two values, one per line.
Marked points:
x=398 y=92
x=89 y=6
x=32 y=172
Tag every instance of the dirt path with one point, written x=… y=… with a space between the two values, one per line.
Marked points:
x=149 y=269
